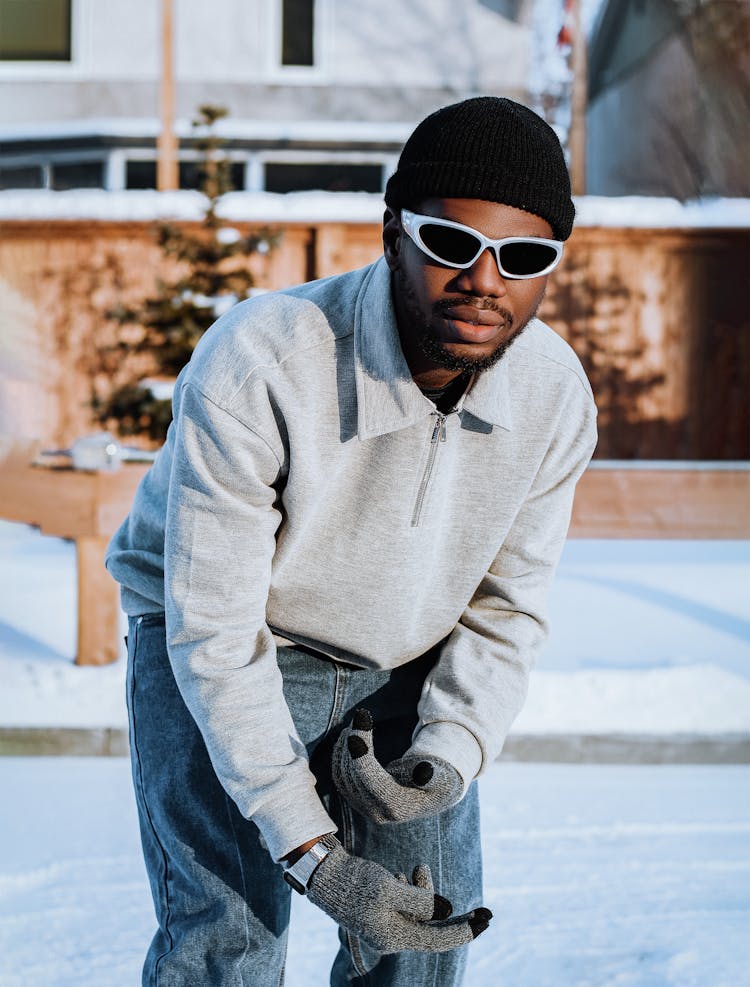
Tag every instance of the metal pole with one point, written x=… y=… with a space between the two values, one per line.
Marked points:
x=578 y=101
x=167 y=173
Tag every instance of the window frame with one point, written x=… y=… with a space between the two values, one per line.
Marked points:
x=322 y=36
x=311 y=8
x=45 y=69
x=69 y=57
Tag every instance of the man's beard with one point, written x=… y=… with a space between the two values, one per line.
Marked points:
x=436 y=350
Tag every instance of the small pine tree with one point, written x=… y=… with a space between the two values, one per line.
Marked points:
x=164 y=328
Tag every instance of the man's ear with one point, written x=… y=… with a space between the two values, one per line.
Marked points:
x=391 y=238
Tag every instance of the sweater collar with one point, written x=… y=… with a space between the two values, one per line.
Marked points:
x=387 y=397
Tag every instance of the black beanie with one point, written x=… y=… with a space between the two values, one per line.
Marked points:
x=488 y=148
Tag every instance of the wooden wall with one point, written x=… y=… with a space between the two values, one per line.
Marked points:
x=659 y=317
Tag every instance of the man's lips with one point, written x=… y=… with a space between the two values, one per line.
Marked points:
x=472 y=324
x=473 y=315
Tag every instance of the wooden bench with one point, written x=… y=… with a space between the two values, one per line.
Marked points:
x=86 y=507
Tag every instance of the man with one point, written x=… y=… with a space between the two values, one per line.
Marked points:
x=335 y=574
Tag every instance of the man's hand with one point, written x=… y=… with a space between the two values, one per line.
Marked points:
x=388 y=912
x=411 y=787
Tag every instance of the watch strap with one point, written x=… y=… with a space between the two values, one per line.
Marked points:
x=299 y=874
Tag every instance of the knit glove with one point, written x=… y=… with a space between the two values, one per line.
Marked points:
x=388 y=912
x=411 y=787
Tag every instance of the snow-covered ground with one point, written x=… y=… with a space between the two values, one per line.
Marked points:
x=598 y=875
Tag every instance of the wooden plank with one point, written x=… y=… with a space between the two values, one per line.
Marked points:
x=67 y=503
x=167 y=145
x=114 y=496
x=98 y=605
x=330 y=250
x=662 y=503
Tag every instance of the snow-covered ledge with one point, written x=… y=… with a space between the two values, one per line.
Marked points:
x=342 y=207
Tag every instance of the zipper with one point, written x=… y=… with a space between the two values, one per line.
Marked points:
x=438 y=436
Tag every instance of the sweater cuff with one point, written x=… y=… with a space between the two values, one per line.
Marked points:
x=298 y=818
x=454 y=744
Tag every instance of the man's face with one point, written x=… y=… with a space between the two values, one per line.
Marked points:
x=451 y=320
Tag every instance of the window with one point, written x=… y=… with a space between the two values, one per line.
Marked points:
x=191 y=177
x=297 y=32
x=24 y=176
x=140 y=174
x=77 y=174
x=48 y=173
x=35 y=30
x=338 y=177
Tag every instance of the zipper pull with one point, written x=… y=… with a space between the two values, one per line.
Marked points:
x=439 y=432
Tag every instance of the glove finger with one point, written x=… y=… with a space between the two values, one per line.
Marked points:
x=423 y=774
x=416 y=902
x=361 y=723
x=354 y=742
x=361 y=778
x=422 y=877
x=401 y=878
x=359 y=733
x=370 y=777
x=442 y=937
x=350 y=746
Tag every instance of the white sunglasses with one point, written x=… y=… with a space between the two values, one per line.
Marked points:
x=455 y=245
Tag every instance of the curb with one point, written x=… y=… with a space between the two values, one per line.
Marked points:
x=63 y=741
x=732 y=748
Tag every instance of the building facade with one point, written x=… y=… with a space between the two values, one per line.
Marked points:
x=320 y=93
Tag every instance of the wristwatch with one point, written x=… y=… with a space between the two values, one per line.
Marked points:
x=299 y=873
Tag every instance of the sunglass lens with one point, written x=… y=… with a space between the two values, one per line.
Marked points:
x=526 y=257
x=453 y=246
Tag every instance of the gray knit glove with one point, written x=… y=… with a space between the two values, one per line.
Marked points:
x=388 y=912
x=412 y=787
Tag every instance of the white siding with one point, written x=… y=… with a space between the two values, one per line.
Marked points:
x=374 y=55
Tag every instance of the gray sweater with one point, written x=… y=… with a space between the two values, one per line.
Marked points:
x=309 y=491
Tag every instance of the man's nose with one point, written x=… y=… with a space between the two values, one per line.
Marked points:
x=483 y=277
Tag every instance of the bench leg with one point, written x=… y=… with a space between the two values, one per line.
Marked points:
x=98 y=605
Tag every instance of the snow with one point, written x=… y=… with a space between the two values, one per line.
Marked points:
x=340 y=207
x=651 y=212
x=365 y=131
x=598 y=875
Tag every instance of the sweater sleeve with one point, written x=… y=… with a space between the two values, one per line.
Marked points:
x=219 y=544
x=480 y=682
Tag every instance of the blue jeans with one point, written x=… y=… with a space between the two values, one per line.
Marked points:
x=221 y=904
